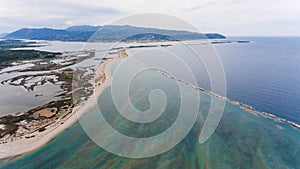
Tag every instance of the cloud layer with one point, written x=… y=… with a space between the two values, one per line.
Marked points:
x=231 y=17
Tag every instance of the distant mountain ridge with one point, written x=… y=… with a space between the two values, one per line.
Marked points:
x=83 y=28
x=108 y=33
x=3 y=35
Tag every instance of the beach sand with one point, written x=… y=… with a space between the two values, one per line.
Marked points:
x=25 y=145
x=101 y=81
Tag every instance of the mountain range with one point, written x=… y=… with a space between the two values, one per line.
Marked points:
x=3 y=35
x=108 y=33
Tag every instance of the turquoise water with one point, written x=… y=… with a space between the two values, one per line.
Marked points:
x=242 y=140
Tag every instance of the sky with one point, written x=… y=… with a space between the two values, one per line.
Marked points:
x=228 y=17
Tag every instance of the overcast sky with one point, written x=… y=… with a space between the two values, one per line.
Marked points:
x=229 y=17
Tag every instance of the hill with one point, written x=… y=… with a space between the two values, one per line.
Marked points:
x=3 y=35
x=108 y=33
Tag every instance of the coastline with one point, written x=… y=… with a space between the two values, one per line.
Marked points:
x=23 y=146
x=243 y=106
x=26 y=145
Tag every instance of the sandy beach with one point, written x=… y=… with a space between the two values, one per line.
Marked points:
x=25 y=145
x=102 y=80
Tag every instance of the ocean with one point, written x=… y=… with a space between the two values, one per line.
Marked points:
x=262 y=74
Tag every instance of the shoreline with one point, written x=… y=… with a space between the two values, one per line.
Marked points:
x=26 y=145
x=247 y=108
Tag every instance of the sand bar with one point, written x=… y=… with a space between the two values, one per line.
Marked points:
x=25 y=145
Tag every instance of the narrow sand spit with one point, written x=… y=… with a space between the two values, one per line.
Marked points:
x=25 y=145
x=100 y=82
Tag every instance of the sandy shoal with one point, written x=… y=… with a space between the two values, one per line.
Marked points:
x=22 y=146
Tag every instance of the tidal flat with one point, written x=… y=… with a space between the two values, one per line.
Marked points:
x=243 y=139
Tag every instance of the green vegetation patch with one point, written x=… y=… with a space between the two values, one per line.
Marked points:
x=16 y=55
x=7 y=55
x=42 y=129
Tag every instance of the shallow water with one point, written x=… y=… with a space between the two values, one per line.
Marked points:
x=242 y=140
x=15 y=99
x=262 y=74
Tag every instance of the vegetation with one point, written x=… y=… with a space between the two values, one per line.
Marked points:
x=11 y=121
x=149 y=37
x=8 y=44
x=7 y=55
x=107 y=33
x=50 y=66
x=42 y=129
x=15 y=55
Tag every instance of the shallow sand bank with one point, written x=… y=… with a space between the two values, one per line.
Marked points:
x=25 y=145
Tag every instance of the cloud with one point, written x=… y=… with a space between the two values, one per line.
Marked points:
x=16 y=14
x=69 y=23
x=207 y=15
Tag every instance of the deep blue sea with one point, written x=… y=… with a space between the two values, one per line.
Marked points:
x=264 y=74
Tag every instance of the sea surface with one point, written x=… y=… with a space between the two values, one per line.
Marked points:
x=263 y=74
